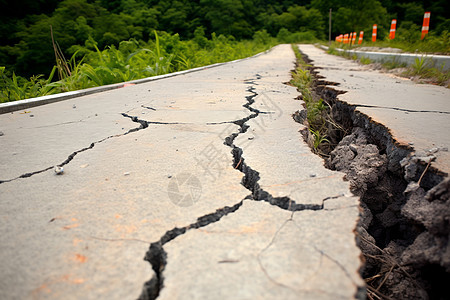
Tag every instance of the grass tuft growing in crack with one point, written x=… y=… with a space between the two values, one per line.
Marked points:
x=318 y=119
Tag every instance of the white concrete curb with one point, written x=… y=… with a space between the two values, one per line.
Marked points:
x=439 y=61
x=32 y=102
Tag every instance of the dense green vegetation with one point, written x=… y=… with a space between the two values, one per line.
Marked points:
x=130 y=60
x=102 y=41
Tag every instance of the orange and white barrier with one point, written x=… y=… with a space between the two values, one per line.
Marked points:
x=392 y=31
x=351 y=38
x=361 y=34
x=374 y=33
x=426 y=24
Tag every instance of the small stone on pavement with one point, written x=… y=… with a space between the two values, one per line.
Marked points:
x=59 y=170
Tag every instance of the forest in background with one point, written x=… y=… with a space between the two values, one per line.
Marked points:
x=103 y=41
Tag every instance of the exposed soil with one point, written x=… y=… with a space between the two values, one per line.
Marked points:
x=404 y=227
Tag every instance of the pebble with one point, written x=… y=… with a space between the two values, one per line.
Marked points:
x=426 y=159
x=126 y=173
x=1 y=133
x=74 y=106
x=59 y=170
x=433 y=150
x=312 y=175
x=169 y=176
x=412 y=186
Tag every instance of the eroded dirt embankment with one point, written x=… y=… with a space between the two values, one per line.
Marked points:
x=404 y=228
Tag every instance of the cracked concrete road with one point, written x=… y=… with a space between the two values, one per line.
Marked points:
x=159 y=166
x=417 y=115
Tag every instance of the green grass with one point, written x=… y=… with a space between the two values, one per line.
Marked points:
x=423 y=68
x=365 y=60
x=90 y=67
x=316 y=108
x=319 y=139
x=393 y=64
x=15 y=87
x=420 y=66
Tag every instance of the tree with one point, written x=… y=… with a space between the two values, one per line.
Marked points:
x=359 y=15
x=175 y=18
x=227 y=17
x=411 y=12
x=295 y=19
x=408 y=32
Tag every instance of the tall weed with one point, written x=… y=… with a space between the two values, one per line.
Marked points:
x=18 y=88
x=89 y=66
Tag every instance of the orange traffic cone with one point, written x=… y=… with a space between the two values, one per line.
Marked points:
x=374 y=33
x=392 y=31
x=426 y=24
x=361 y=34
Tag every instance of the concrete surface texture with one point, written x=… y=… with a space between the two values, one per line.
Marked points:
x=417 y=115
x=142 y=160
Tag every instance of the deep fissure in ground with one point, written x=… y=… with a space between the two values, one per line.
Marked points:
x=404 y=227
x=157 y=256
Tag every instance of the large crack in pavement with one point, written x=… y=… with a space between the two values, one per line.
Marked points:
x=157 y=256
x=146 y=123
x=251 y=177
x=403 y=229
x=402 y=109
x=143 y=125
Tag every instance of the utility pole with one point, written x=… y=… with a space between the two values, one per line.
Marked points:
x=329 y=29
